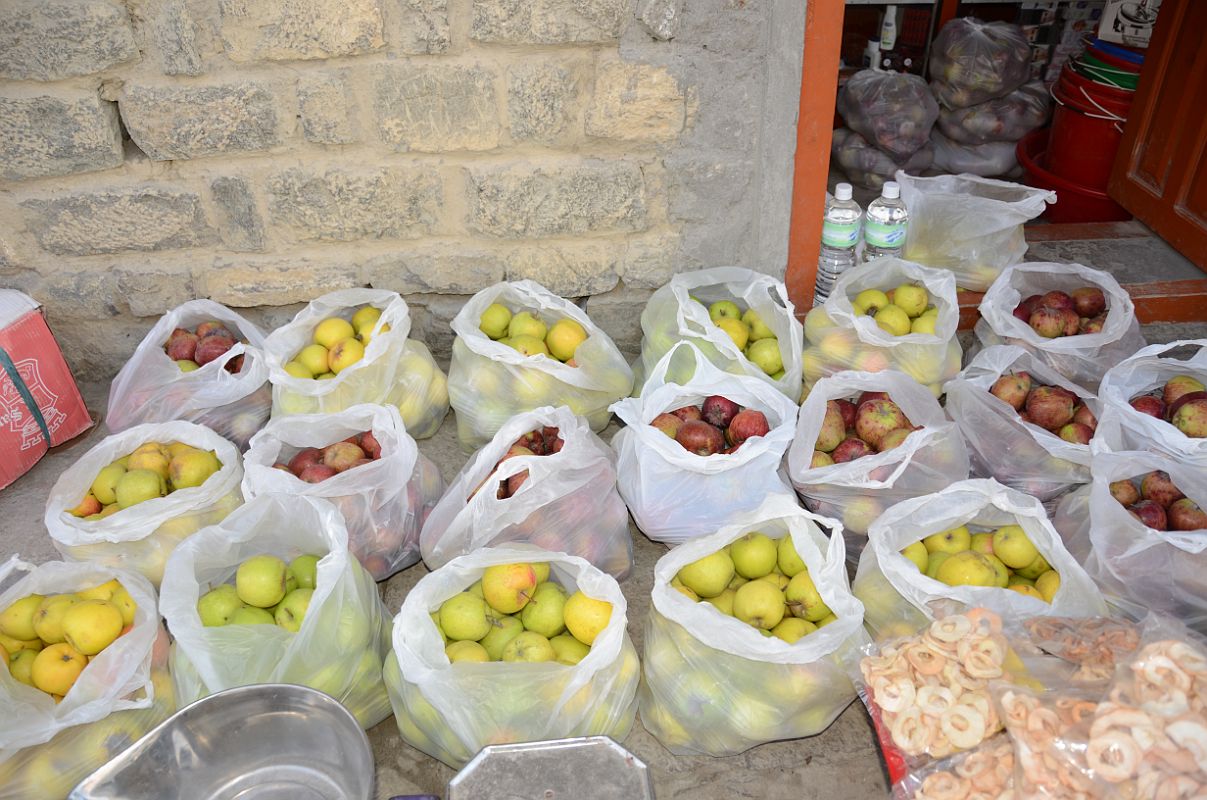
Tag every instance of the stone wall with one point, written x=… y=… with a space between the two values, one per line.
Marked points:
x=261 y=152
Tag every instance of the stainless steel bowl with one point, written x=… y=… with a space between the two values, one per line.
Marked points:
x=259 y=742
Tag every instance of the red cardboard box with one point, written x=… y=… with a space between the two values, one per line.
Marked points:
x=40 y=405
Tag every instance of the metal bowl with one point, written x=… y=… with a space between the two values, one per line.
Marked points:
x=259 y=742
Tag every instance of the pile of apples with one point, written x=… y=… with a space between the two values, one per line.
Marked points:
x=851 y=430
x=266 y=592
x=761 y=582
x=338 y=344
x=1182 y=402
x=718 y=425
x=538 y=442
x=153 y=470
x=208 y=342
x=1058 y=313
x=528 y=334
x=750 y=334
x=1158 y=503
x=315 y=465
x=1004 y=558
x=1053 y=408
x=49 y=640
x=516 y=613
x=899 y=311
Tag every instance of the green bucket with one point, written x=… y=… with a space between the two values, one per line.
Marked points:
x=1101 y=72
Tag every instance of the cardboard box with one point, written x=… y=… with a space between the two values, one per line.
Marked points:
x=1128 y=22
x=40 y=404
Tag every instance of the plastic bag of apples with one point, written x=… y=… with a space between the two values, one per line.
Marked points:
x=47 y=746
x=175 y=373
x=1140 y=529
x=382 y=364
x=362 y=460
x=728 y=669
x=344 y=632
x=848 y=461
x=140 y=531
x=544 y=479
x=1077 y=320
x=684 y=480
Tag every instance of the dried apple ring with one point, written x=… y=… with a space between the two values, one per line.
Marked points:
x=963 y=726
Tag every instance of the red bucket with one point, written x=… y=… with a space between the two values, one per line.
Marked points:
x=1087 y=127
x=1074 y=202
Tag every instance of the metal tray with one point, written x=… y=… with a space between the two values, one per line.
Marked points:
x=259 y=742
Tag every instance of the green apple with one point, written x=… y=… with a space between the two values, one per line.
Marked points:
x=528 y=345
x=21 y=666
x=545 y=611
x=507 y=587
x=463 y=617
x=982 y=542
x=765 y=354
x=923 y=324
x=760 y=604
x=292 y=610
x=137 y=486
x=529 y=647
x=304 y=570
x=502 y=631
x=216 y=606
x=949 y=541
x=791 y=629
x=934 y=562
x=191 y=366
x=541 y=568
x=466 y=651
x=708 y=576
x=1036 y=568
x=803 y=598
x=777 y=580
x=754 y=555
x=911 y=299
x=1011 y=545
x=436 y=621
x=1014 y=580
x=568 y=650
x=968 y=568
x=104 y=484
x=724 y=309
x=476 y=588
x=916 y=553
x=723 y=602
x=250 y=615
x=260 y=581
x=527 y=324
x=737 y=581
x=495 y=320
x=892 y=320
x=758 y=328
x=294 y=369
x=352 y=630
x=787 y=559
x=869 y=301
x=1001 y=574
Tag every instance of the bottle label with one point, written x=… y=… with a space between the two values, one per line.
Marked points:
x=881 y=234
x=840 y=234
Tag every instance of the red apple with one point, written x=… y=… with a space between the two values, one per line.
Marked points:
x=317 y=473
x=893 y=439
x=1158 y=487
x=304 y=458
x=1047 y=322
x=1149 y=513
x=1012 y=389
x=876 y=418
x=369 y=443
x=553 y=445
x=534 y=441
x=1076 y=433
x=832 y=430
x=698 y=437
x=1177 y=386
x=212 y=329
x=1057 y=299
x=1071 y=320
x=235 y=365
x=848 y=410
x=1150 y=405
x=866 y=396
x=688 y=413
x=515 y=482
x=341 y=455
x=1083 y=416
x=1181 y=400
x=1088 y=301
x=668 y=424
x=1191 y=418
x=182 y=346
x=515 y=451
x=1049 y=407
x=1125 y=492
x=850 y=449
x=1093 y=325
x=820 y=459
x=212 y=347
x=1185 y=515
x=719 y=411
x=747 y=424
x=1026 y=308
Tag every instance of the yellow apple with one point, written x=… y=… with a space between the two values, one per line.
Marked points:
x=708 y=576
x=186 y=365
x=918 y=554
x=463 y=618
x=911 y=299
x=923 y=324
x=466 y=651
x=332 y=331
x=869 y=301
x=22 y=665
x=508 y=587
x=758 y=328
x=138 y=486
x=803 y=598
x=526 y=323
x=193 y=469
x=586 y=617
x=297 y=370
x=723 y=602
x=999 y=569
x=314 y=357
x=736 y=330
x=967 y=568
x=90 y=626
x=56 y=668
x=724 y=309
x=1036 y=568
x=154 y=460
x=1028 y=591
x=495 y=320
x=949 y=541
x=1011 y=545
x=891 y=319
x=527 y=345
x=564 y=338
x=344 y=354
x=48 y=619
x=364 y=319
x=935 y=561
x=982 y=542
x=792 y=629
x=11 y=645
x=17 y=621
x=1048 y=584
x=816 y=324
x=787 y=559
x=105 y=483
x=765 y=354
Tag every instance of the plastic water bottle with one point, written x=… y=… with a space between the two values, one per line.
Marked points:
x=839 y=238
x=887 y=222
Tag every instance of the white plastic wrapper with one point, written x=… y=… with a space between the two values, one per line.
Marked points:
x=715 y=685
x=675 y=495
x=1163 y=571
x=868 y=167
x=970 y=225
x=1084 y=358
x=344 y=635
x=450 y=711
x=892 y=110
x=1124 y=428
x=1002 y=119
x=383 y=503
x=672 y=316
x=490 y=382
x=840 y=340
x=990 y=160
x=140 y=538
x=47 y=748
x=395 y=370
x=858 y=491
x=569 y=504
x=151 y=388
x=896 y=596
x=1001 y=445
x=973 y=61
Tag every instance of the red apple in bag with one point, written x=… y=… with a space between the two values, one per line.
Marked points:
x=1149 y=513
x=1158 y=487
x=688 y=413
x=747 y=424
x=1088 y=301
x=1185 y=515
x=1125 y=492
x=698 y=437
x=719 y=411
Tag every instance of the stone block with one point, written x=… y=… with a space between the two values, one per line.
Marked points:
x=446 y=270
x=433 y=315
x=118 y=220
x=636 y=102
x=98 y=349
x=70 y=132
x=45 y=40
x=618 y=312
x=437 y=108
x=540 y=100
x=705 y=186
x=286 y=30
x=182 y=122
x=585 y=197
x=85 y=293
x=273 y=282
x=418 y=27
x=660 y=18
x=547 y=21
x=323 y=104
x=239 y=220
x=649 y=261
x=345 y=205
x=569 y=269
x=175 y=38
x=151 y=289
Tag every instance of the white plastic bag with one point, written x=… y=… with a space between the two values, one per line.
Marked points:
x=1084 y=358
x=1002 y=119
x=1001 y=445
x=717 y=686
x=450 y=711
x=151 y=388
x=973 y=61
x=1163 y=571
x=990 y=159
x=140 y=538
x=395 y=370
x=970 y=225
x=672 y=315
x=1124 y=428
x=47 y=748
x=675 y=495
x=344 y=635
x=840 y=339
x=894 y=591
x=895 y=111
x=868 y=167
x=383 y=503
x=858 y=491
x=569 y=503
x=490 y=382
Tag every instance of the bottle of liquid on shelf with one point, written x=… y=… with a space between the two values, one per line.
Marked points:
x=886 y=225
x=839 y=238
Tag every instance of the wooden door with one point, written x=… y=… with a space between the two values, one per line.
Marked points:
x=1160 y=174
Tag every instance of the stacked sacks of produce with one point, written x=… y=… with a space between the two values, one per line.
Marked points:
x=890 y=112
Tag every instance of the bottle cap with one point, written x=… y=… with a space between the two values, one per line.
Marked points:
x=891 y=190
x=842 y=191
